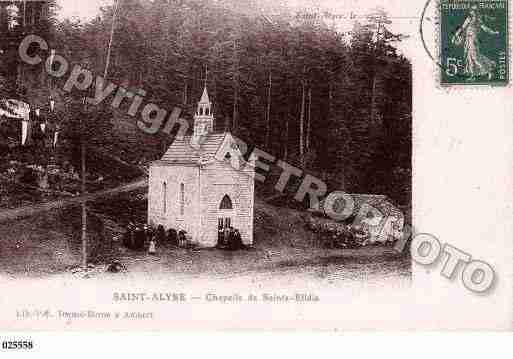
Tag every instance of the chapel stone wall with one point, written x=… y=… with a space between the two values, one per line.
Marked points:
x=171 y=216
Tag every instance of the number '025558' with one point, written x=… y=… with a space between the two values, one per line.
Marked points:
x=17 y=345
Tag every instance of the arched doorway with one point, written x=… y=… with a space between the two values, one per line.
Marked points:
x=225 y=219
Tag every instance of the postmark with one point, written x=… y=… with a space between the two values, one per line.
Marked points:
x=474 y=42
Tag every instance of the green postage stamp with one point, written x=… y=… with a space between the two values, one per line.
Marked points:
x=474 y=46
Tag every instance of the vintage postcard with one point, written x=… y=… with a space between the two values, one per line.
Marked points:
x=268 y=165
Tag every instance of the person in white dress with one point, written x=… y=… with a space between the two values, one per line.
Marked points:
x=476 y=63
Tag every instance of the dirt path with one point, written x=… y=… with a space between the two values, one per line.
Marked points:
x=368 y=263
x=26 y=211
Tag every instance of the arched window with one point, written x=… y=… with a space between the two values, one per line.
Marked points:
x=201 y=111
x=182 y=199
x=207 y=111
x=226 y=203
x=164 y=197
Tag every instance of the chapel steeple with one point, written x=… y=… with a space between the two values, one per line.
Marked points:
x=204 y=117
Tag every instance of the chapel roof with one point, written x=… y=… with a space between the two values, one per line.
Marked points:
x=181 y=150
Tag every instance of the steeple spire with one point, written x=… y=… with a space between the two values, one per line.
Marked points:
x=204 y=117
x=206 y=76
x=204 y=97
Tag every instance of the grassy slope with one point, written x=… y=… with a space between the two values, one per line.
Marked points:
x=46 y=243
x=280 y=227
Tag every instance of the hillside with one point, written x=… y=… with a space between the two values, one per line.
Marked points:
x=50 y=244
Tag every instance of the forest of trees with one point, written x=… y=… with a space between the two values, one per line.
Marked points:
x=336 y=104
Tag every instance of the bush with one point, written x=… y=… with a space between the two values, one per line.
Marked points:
x=29 y=177
x=338 y=235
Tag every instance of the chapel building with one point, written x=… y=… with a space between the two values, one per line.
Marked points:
x=202 y=184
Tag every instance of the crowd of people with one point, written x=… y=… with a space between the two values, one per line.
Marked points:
x=141 y=237
x=229 y=238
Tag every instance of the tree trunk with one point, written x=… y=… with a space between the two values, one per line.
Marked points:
x=374 y=78
x=84 y=209
x=235 y=88
x=235 y=107
x=214 y=96
x=302 y=126
x=309 y=120
x=373 y=98
x=268 y=113
x=24 y=14
x=185 y=89
x=330 y=99
x=286 y=142
x=111 y=37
